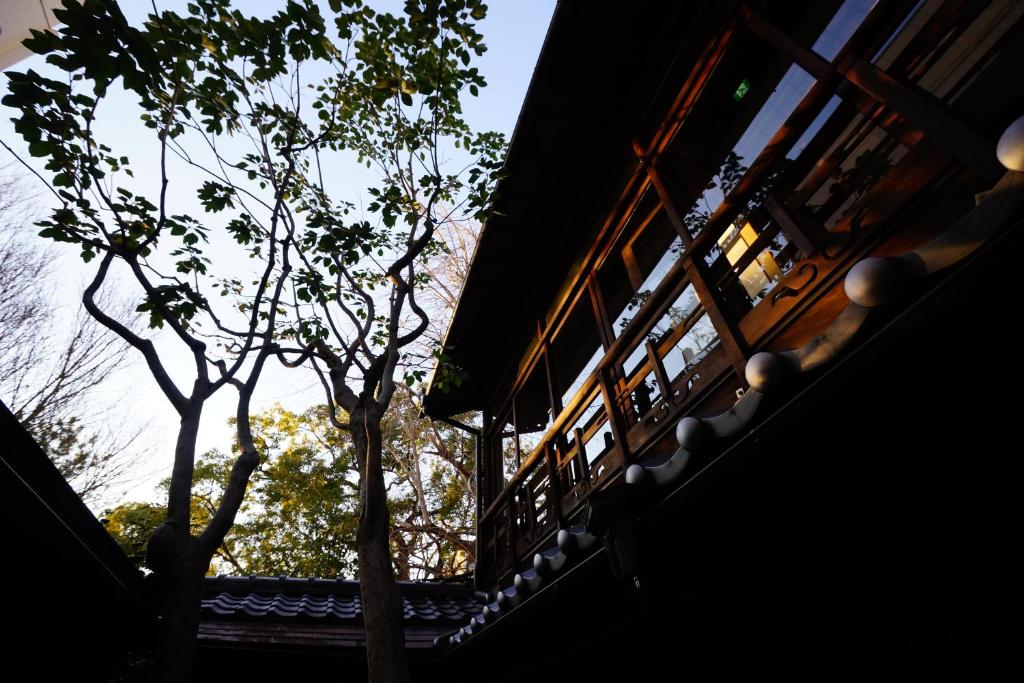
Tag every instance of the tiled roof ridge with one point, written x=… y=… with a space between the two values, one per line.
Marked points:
x=269 y=597
x=869 y=283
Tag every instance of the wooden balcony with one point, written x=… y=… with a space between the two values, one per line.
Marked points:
x=734 y=237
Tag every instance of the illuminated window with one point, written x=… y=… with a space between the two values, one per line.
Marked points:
x=762 y=272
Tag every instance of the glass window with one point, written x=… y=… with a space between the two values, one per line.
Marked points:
x=581 y=378
x=576 y=350
x=862 y=155
x=658 y=251
x=691 y=348
x=678 y=314
x=952 y=49
x=647 y=249
x=845 y=22
x=539 y=495
x=597 y=431
x=762 y=271
x=509 y=454
x=780 y=104
x=533 y=412
x=695 y=336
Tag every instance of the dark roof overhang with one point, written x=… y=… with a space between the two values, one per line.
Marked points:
x=68 y=583
x=597 y=84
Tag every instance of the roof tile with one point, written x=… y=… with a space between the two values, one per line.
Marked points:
x=276 y=598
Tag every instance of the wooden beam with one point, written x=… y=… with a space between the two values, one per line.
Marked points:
x=604 y=326
x=581 y=454
x=513 y=535
x=790 y=228
x=960 y=140
x=808 y=60
x=658 y=184
x=957 y=138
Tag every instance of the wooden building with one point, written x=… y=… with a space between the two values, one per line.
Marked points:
x=739 y=333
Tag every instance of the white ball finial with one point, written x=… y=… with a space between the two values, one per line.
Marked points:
x=690 y=433
x=636 y=475
x=875 y=280
x=1010 y=148
x=765 y=370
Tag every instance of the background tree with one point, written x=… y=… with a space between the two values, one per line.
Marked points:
x=433 y=496
x=132 y=525
x=50 y=378
x=300 y=516
x=445 y=274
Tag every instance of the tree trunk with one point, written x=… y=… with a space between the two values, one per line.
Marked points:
x=180 y=584
x=178 y=565
x=382 y=603
x=402 y=558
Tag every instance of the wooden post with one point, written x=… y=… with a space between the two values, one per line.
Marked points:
x=581 y=455
x=513 y=534
x=612 y=412
x=793 y=231
x=554 y=486
x=659 y=372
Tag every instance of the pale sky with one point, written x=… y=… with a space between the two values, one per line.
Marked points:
x=513 y=32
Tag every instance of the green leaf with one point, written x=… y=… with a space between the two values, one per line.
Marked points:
x=40 y=148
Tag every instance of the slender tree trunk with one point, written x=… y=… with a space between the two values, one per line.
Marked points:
x=402 y=558
x=178 y=566
x=382 y=603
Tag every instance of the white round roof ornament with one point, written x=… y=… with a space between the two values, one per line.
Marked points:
x=1010 y=148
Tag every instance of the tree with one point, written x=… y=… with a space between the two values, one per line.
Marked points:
x=357 y=285
x=301 y=514
x=301 y=517
x=132 y=525
x=259 y=116
x=49 y=380
x=179 y=83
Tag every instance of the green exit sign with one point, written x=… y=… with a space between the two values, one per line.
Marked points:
x=741 y=90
